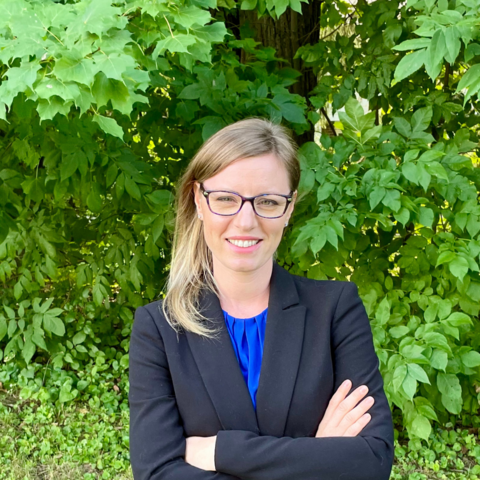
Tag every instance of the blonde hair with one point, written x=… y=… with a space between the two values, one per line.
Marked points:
x=191 y=268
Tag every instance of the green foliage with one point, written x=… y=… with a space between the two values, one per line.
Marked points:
x=103 y=103
x=89 y=439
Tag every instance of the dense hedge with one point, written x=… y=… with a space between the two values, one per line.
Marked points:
x=103 y=103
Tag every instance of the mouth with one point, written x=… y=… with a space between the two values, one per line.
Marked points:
x=243 y=243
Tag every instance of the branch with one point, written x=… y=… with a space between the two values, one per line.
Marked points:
x=329 y=121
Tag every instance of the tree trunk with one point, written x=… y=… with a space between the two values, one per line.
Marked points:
x=287 y=34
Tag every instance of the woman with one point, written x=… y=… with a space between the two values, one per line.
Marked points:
x=200 y=406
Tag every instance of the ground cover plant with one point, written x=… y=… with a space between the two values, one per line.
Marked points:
x=103 y=103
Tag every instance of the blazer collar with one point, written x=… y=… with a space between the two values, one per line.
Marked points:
x=220 y=371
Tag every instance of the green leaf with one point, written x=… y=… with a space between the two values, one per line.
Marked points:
x=290 y=111
x=449 y=384
x=392 y=199
x=94 y=201
x=324 y=191
x=213 y=33
x=452 y=41
x=376 y=196
x=470 y=80
x=402 y=216
x=418 y=373
x=38 y=338
x=99 y=16
x=425 y=408
x=248 y=4
x=421 y=427
x=113 y=65
x=132 y=188
x=47 y=109
x=438 y=340
x=459 y=267
x=69 y=167
x=109 y=125
x=53 y=324
x=157 y=227
x=426 y=216
x=382 y=314
x=471 y=359
x=437 y=49
x=399 y=375
x=458 y=319
x=445 y=257
x=318 y=242
x=3 y=327
x=19 y=79
x=424 y=176
x=413 y=44
x=28 y=349
x=402 y=126
x=191 y=15
x=74 y=68
x=410 y=172
x=66 y=395
x=112 y=173
x=409 y=386
x=397 y=332
x=79 y=337
x=421 y=119
x=179 y=43
x=410 y=64
x=435 y=168
x=452 y=404
x=439 y=359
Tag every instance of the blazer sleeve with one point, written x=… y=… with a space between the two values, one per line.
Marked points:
x=157 y=441
x=368 y=456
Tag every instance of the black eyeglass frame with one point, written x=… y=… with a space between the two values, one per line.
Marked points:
x=206 y=193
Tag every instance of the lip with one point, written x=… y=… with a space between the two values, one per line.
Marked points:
x=244 y=249
x=243 y=238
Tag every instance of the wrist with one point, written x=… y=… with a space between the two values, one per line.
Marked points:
x=214 y=444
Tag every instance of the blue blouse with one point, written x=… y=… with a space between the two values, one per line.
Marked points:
x=247 y=336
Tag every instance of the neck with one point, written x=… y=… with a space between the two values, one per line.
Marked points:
x=243 y=293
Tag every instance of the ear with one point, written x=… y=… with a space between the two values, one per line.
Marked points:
x=292 y=204
x=197 y=196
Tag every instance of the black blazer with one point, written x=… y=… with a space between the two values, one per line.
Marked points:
x=317 y=335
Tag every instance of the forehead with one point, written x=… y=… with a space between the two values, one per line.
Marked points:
x=251 y=176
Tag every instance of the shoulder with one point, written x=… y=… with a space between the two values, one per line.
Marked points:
x=150 y=315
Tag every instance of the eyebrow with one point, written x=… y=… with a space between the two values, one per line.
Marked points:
x=226 y=189
x=238 y=193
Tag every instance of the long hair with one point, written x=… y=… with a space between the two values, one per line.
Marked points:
x=191 y=268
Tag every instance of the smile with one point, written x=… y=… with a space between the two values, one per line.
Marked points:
x=243 y=243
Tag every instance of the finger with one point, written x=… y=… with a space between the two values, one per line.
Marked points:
x=338 y=397
x=346 y=405
x=356 y=413
x=358 y=426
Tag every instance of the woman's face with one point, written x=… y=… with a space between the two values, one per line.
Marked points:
x=248 y=177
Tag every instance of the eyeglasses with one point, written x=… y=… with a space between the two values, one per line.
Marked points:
x=267 y=205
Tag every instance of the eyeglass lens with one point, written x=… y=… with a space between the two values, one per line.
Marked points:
x=225 y=203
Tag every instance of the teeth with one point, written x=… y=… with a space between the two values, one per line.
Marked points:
x=243 y=243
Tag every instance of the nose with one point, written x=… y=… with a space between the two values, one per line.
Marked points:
x=246 y=217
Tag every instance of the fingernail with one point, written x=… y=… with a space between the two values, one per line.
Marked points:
x=363 y=389
x=346 y=383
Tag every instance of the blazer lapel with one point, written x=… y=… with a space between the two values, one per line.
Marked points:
x=220 y=371
x=281 y=353
x=282 y=348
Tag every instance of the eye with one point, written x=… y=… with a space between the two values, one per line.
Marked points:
x=268 y=202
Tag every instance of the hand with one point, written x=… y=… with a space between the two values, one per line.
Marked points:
x=342 y=418
x=200 y=452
